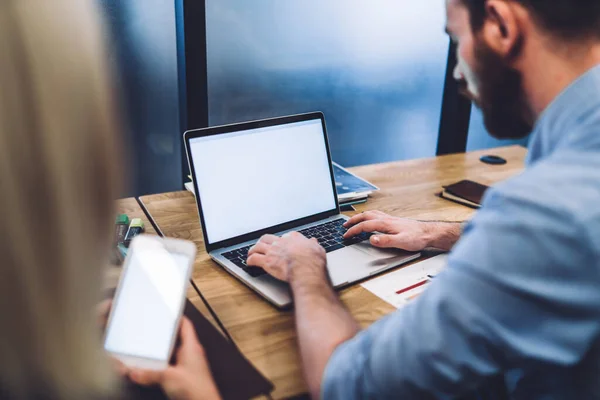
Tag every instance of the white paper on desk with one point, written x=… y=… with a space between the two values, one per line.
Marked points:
x=189 y=186
x=404 y=285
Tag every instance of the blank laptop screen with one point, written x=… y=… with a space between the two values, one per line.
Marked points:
x=256 y=179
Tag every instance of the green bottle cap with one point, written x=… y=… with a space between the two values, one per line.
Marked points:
x=122 y=219
x=136 y=223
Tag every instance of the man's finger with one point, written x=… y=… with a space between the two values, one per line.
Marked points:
x=257 y=260
x=383 y=241
x=366 y=216
x=378 y=225
x=358 y=218
x=259 y=248
x=268 y=239
x=294 y=235
x=146 y=377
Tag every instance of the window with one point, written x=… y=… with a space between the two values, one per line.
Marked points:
x=376 y=69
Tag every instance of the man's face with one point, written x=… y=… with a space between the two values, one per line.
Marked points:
x=485 y=78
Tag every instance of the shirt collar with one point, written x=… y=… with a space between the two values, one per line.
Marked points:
x=568 y=110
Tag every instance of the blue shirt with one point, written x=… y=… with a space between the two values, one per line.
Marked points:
x=521 y=295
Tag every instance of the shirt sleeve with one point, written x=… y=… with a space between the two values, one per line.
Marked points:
x=521 y=289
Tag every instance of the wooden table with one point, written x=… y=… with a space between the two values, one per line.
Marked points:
x=265 y=335
x=131 y=207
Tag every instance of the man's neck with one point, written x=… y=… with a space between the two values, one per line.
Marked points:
x=547 y=73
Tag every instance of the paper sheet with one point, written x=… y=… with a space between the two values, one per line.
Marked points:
x=404 y=285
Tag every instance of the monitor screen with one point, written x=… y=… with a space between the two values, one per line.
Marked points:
x=256 y=179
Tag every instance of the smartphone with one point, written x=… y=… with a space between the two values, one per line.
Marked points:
x=144 y=321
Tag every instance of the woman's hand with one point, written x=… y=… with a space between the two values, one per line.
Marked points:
x=190 y=378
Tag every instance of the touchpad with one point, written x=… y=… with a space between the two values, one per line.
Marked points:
x=377 y=252
x=382 y=257
x=347 y=265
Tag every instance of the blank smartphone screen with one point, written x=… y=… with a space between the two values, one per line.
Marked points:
x=147 y=309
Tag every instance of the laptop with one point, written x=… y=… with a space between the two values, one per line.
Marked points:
x=272 y=177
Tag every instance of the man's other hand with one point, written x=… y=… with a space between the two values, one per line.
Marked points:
x=402 y=233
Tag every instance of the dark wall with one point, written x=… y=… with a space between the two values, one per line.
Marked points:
x=143 y=48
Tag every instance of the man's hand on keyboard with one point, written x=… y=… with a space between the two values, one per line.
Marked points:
x=402 y=233
x=281 y=256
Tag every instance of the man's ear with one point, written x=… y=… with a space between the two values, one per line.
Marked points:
x=503 y=29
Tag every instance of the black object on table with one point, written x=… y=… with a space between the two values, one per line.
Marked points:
x=493 y=160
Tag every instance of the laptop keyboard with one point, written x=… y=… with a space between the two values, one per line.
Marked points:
x=330 y=236
x=239 y=257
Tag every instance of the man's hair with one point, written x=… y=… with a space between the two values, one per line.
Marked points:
x=568 y=19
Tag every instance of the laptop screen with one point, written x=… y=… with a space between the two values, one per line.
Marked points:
x=256 y=179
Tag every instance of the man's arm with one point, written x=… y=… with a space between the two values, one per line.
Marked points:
x=322 y=322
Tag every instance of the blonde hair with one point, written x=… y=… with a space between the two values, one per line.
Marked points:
x=58 y=181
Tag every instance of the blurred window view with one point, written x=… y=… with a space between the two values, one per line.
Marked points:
x=376 y=68
x=142 y=42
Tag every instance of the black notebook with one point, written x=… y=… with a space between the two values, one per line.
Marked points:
x=465 y=192
x=236 y=378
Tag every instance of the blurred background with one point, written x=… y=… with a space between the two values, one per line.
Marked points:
x=376 y=69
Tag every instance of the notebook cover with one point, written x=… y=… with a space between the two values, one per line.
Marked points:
x=236 y=378
x=447 y=196
x=468 y=190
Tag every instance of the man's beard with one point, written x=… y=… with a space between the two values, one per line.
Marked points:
x=501 y=97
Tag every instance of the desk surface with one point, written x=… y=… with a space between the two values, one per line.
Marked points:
x=265 y=335
x=133 y=210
